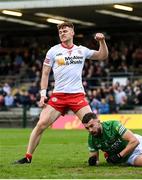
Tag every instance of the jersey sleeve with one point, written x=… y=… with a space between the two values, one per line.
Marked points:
x=88 y=52
x=119 y=128
x=49 y=58
x=91 y=145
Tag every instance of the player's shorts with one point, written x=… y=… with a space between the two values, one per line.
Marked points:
x=62 y=102
x=136 y=152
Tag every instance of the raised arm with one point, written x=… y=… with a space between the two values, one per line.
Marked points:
x=102 y=53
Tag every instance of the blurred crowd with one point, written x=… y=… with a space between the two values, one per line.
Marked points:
x=22 y=59
x=104 y=99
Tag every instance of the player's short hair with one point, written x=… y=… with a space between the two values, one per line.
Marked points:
x=65 y=24
x=87 y=117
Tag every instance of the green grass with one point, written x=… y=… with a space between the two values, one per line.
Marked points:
x=62 y=154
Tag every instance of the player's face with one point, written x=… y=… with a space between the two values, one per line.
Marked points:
x=66 y=34
x=94 y=127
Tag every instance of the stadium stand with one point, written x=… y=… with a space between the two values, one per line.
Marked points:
x=112 y=86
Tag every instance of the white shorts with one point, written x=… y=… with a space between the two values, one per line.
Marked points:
x=136 y=152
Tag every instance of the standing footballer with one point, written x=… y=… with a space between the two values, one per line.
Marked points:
x=66 y=60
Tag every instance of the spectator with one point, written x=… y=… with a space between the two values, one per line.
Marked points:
x=24 y=98
x=103 y=107
x=95 y=104
x=16 y=95
x=112 y=105
x=7 y=88
x=9 y=100
x=18 y=62
x=138 y=96
x=120 y=97
x=33 y=89
x=1 y=101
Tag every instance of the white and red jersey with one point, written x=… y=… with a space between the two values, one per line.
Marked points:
x=67 y=65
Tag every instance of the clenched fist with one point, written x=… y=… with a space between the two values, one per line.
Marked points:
x=99 y=37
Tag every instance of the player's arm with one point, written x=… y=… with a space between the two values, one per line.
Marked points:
x=102 y=53
x=93 y=159
x=44 y=84
x=132 y=143
x=126 y=135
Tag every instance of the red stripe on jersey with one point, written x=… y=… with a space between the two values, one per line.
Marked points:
x=47 y=61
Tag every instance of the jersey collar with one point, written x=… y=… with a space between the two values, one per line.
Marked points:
x=66 y=46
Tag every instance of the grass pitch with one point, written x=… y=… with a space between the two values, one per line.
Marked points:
x=62 y=154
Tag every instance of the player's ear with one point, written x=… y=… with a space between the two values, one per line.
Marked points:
x=73 y=33
x=97 y=120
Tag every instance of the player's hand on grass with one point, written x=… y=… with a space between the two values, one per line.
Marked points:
x=92 y=161
x=43 y=101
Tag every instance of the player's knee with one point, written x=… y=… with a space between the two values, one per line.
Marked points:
x=41 y=126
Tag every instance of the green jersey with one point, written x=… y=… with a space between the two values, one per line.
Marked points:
x=111 y=139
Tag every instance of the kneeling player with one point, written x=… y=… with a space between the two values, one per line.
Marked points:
x=119 y=144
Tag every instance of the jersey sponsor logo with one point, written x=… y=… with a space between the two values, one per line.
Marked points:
x=116 y=146
x=61 y=61
x=112 y=146
x=73 y=58
x=67 y=60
